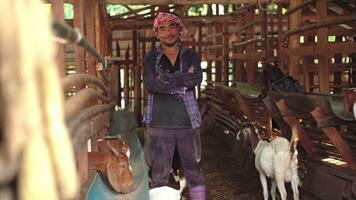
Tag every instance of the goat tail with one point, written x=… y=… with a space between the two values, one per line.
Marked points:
x=182 y=184
x=293 y=146
x=294 y=139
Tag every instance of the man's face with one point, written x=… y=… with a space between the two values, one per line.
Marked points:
x=168 y=33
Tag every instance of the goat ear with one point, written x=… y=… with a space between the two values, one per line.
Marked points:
x=238 y=135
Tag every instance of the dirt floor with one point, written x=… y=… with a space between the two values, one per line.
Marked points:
x=221 y=181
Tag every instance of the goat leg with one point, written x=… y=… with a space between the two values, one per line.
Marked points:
x=264 y=186
x=273 y=189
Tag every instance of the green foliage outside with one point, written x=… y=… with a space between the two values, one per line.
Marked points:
x=113 y=10
x=68 y=11
x=198 y=10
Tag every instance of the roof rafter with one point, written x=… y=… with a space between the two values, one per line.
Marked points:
x=181 y=2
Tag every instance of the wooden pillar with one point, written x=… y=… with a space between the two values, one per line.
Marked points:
x=264 y=34
x=218 y=52
x=239 y=63
x=143 y=54
x=280 y=37
x=103 y=29
x=294 y=21
x=250 y=34
x=225 y=63
x=126 y=77
x=200 y=40
x=338 y=74
x=78 y=23
x=90 y=33
x=58 y=14
x=210 y=51
x=323 y=66
x=137 y=75
x=307 y=61
x=97 y=25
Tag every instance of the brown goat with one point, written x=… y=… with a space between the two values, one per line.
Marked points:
x=115 y=168
x=114 y=146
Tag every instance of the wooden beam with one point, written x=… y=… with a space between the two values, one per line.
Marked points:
x=78 y=23
x=335 y=138
x=245 y=56
x=218 y=18
x=294 y=22
x=300 y=6
x=218 y=52
x=137 y=75
x=322 y=24
x=181 y=2
x=58 y=14
x=332 y=48
x=90 y=33
x=250 y=48
x=322 y=6
x=225 y=54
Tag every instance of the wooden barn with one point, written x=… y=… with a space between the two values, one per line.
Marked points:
x=72 y=96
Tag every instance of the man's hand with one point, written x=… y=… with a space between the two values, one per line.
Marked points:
x=191 y=69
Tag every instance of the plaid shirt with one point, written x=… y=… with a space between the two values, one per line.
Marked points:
x=179 y=84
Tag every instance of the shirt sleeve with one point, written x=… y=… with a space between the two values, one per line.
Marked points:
x=185 y=79
x=155 y=84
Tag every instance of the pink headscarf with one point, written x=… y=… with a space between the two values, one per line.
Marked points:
x=162 y=17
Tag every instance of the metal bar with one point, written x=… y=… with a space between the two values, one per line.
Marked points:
x=75 y=103
x=88 y=113
x=83 y=79
x=66 y=32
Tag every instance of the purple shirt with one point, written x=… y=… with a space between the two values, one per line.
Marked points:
x=179 y=84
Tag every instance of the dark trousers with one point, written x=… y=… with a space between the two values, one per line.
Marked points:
x=163 y=141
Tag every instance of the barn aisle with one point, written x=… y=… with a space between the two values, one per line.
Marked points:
x=218 y=167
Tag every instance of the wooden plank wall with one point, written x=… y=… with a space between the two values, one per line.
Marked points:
x=252 y=37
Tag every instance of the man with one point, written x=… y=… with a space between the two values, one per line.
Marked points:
x=170 y=75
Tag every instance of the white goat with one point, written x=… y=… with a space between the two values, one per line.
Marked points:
x=168 y=193
x=276 y=159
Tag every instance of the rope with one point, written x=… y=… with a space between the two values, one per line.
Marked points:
x=264 y=1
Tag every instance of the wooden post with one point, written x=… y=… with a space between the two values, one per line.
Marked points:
x=321 y=7
x=78 y=23
x=250 y=34
x=280 y=39
x=103 y=29
x=226 y=53
x=90 y=33
x=200 y=40
x=338 y=75
x=218 y=52
x=126 y=77
x=209 y=73
x=335 y=138
x=58 y=14
x=310 y=60
x=294 y=21
x=264 y=34
x=137 y=75
x=293 y=122
x=239 y=63
x=143 y=54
